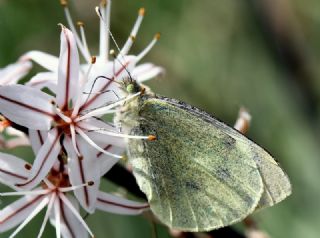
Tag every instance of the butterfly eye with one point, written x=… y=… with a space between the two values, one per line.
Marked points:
x=131 y=88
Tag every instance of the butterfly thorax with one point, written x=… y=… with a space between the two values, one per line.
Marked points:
x=127 y=116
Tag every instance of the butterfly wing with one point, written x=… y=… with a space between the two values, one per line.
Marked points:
x=196 y=176
x=276 y=183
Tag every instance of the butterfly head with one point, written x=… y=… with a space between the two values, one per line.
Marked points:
x=131 y=86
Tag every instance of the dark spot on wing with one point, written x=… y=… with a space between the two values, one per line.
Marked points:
x=223 y=174
x=192 y=185
x=229 y=142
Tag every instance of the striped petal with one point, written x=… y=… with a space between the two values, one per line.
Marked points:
x=12 y=73
x=45 y=60
x=26 y=106
x=37 y=139
x=44 y=161
x=18 y=211
x=68 y=73
x=44 y=80
x=82 y=170
x=70 y=225
x=13 y=170
x=115 y=204
x=146 y=71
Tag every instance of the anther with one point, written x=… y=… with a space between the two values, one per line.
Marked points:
x=80 y=157
x=104 y=3
x=152 y=137
x=52 y=102
x=90 y=183
x=157 y=36
x=93 y=59
x=142 y=11
x=143 y=90
x=112 y=53
x=27 y=166
x=80 y=23
x=133 y=38
x=64 y=3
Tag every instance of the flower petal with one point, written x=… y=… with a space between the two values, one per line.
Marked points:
x=68 y=73
x=18 y=211
x=26 y=106
x=46 y=60
x=70 y=226
x=115 y=204
x=82 y=170
x=37 y=139
x=44 y=80
x=146 y=71
x=45 y=159
x=114 y=145
x=13 y=170
x=12 y=73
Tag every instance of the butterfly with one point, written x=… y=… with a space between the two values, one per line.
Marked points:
x=199 y=174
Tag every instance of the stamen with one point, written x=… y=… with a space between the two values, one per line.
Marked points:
x=83 y=83
x=22 y=193
x=42 y=204
x=75 y=213
x=148 y=48
x=127 y=46
x=104 y=110
x=48 y=183
x=72 y=188
x=104 y=29
x=57 y=218
x=84 y=51
x=73 y=139
x=109 y=133
x=94 y=145
x=46 y=217
x=61 y=115
x=102 y=20
x=83 y=37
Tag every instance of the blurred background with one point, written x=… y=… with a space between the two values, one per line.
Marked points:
x=219 y=56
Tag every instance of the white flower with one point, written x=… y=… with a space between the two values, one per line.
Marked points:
x=104 y=72
x=65 y=118
x=62 y=208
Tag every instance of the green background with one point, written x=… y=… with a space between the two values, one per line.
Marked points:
x=219 y=56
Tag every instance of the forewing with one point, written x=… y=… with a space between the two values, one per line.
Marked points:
x=196 y=176
x=276 y=183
